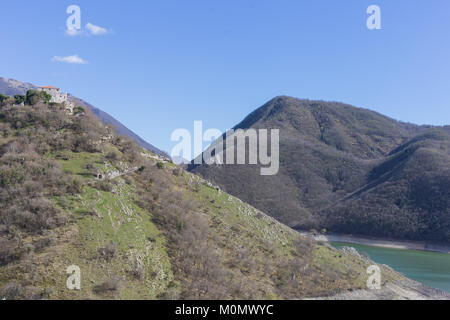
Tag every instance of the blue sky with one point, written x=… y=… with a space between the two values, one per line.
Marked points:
x=163 y=64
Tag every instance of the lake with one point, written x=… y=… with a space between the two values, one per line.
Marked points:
x=430 y=268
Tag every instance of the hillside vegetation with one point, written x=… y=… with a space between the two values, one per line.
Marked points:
x=347 y=170
x=73 y=192
x=12 y=87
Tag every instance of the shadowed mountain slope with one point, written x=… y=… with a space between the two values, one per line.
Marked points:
x=332 y=159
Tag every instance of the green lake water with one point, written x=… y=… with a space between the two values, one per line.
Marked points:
x=430 y=268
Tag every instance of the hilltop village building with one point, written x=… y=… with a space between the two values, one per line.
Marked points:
x=57 y=96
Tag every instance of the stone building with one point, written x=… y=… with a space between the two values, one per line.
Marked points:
x=58 y=97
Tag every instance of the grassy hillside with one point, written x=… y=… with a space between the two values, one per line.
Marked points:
x=348 y=170
x=73 y=192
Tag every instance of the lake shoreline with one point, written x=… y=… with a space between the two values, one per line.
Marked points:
x=378 y=242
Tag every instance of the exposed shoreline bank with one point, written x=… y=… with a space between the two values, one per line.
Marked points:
x=384 y=243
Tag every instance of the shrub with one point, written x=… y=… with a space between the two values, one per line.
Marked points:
x=91 y=168
x=19 y=99
x=11 y=291
x=177 y=172
x=83 y=142
x=130 y=149
x=42 y=243
x=45 y=96
x=78 y=110
x=32 y=97
x=109 y=251
x=160 y=165
x=139 y=272
x=110 y=285
x=197 y=186
x=112 y=155
x=3 y=97
x=103 y=185
x=75 y=186
x=10 y=251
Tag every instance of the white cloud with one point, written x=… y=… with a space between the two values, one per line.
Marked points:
x=89 y=29
x=75 y=59
x=73 y=32
x=96 y=30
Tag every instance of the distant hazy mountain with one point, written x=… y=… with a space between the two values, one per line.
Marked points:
x=348 y=170
x=11 y=87
x=108 y=119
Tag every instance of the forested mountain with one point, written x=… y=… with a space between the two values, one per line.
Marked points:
x=349 y=170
